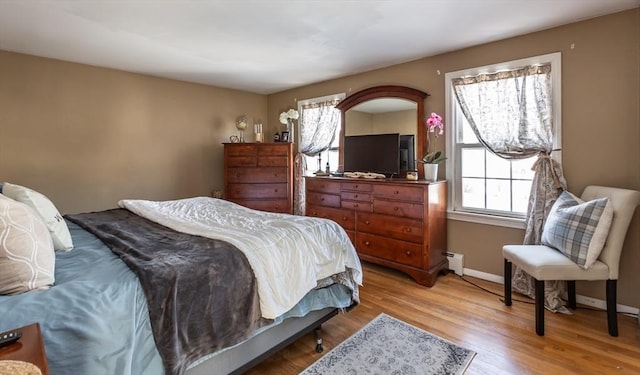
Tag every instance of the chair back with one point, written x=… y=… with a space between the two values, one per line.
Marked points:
x=624 y=203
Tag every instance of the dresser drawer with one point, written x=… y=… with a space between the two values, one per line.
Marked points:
x=241 y=161
x=261 y=191
x=323 y=185
x=275 y=205
x=273 y=150
x=405 y=193
x=355 y=205
x=396 y=208
x=273 y=161
x=346 y=219
x=240 y=150
x=319 y=199
x=355 y=196
x=389 y=249
x=356 y=186
x=263 y=175
x=391 y=226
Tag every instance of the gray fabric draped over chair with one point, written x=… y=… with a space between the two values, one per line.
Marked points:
x=318 y=123
x=511 y=114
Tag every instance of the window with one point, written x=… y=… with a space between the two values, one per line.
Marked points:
x=319 y=115
x=485 y=187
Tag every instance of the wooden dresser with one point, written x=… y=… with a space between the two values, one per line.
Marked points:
x=259 y=175
x=396 y=223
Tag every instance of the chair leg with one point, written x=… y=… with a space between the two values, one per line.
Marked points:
x=507 y=282
x=539 y=287
x=571 y=293
x=612 y=310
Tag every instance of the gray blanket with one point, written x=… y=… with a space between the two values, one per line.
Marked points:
x=201 y=292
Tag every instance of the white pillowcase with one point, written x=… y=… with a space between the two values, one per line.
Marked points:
x=47 y=211
x=27 y=259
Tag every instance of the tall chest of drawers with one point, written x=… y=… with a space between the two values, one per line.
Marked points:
x=395 y=223
x=259 y=175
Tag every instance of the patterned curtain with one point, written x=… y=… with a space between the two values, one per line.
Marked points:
x=510 y=113
x=318 y=124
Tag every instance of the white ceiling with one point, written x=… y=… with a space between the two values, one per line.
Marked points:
x=266 y=46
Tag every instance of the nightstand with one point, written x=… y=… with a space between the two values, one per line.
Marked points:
x=28 y=349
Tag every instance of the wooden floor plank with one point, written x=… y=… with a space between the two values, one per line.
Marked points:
x=504 y=337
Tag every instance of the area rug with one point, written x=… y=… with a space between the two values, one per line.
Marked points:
x=387 y=345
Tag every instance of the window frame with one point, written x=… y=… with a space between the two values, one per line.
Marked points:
x=453 y=149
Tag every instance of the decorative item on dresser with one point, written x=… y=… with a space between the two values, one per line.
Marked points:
x=395 y=223
x=259 y=175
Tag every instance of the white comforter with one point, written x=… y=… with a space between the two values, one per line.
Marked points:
x=288 y=253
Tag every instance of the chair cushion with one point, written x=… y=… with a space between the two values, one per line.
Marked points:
x=545 y=263
x=578 y=229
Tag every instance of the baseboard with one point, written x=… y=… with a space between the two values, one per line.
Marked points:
x=584 y=300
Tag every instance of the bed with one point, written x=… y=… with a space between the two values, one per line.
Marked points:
x=101 y=318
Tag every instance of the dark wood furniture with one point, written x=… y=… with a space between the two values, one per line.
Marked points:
x=29 y=348
x=392 y=222
x=259 y=175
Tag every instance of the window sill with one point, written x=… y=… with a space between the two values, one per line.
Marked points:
x=500 y=221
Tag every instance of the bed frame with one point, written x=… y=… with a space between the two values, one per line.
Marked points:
x=240 y=358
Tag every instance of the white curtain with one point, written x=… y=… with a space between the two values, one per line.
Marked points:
x=318 y=123
x=511 y=114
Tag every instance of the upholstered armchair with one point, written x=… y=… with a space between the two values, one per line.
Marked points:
x=544 y=262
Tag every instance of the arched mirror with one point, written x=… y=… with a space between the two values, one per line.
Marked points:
x=384 y=110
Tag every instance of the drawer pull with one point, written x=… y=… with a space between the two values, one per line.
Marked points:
x=356 y=186
x=314 y=213
x=396 y=208
x=367 y=222
x=344 y=218
x=396 y=192
x=408 y=230
x=355 y=196
x=408 y=253
x=275 y=190
x=367 y=243
x=322 y=199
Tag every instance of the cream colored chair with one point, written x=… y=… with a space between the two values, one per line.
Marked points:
x=545 y=263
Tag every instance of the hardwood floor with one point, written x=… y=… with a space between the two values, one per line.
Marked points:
x=503 y=337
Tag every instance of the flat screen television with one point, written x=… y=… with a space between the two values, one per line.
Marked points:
x=378 y=153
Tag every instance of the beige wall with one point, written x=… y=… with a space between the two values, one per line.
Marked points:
x=600 y=122
x=87 y=136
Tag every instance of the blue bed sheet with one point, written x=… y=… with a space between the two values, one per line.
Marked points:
x=95 y=319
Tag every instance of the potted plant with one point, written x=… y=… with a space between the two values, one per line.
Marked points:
x=435 y=128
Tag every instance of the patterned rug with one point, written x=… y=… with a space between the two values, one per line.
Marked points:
x=390 y=346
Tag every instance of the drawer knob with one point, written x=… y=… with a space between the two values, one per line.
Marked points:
x=408 y=230
x=367 y=222
x=322 y=199
x=344 y=218
x=408 y=253
x=314 y=213
x=396 y=192
x=355 y=195
x=355 y=205
x=356 y=186
x=275 y=190
x=367 y=243
x=396 y=208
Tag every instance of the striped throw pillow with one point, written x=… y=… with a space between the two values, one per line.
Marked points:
x=578 y=229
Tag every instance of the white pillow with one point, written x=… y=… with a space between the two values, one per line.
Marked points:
x=27 y=258
x=578 y=229
x=47 y=211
